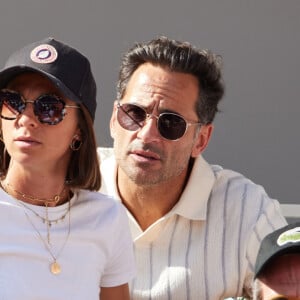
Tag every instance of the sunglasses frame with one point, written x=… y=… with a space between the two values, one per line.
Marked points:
x=59 y=99
x=147 y=116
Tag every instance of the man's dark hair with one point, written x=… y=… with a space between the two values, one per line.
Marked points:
x=178 y=57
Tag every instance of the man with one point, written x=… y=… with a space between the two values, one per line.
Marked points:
x=196 y=227
x=277 y=269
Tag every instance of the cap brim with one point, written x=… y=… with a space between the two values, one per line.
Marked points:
x=7 y=74
x=263 y=261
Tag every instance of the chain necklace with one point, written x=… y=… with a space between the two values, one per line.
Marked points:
x=45 y=201
x=46 y=220
x=55 y=267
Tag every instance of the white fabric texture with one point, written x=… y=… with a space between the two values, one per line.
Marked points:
x=98 y=252
x=206 y=246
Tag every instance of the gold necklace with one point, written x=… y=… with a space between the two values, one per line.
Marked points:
x=55 y=267
x=46 y=220
x=46 y=202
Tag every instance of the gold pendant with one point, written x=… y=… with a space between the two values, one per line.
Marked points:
x=55 y=268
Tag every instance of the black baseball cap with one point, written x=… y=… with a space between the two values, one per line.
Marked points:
x=67 y=68
x=285 y=240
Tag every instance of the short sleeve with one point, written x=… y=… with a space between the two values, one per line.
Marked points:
x=120 y=267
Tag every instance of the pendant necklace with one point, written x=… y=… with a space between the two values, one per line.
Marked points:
x=55 y=267
x=54 y=200
x=46 y=219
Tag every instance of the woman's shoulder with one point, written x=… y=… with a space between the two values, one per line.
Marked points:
x=96 y=201
x=97 y=207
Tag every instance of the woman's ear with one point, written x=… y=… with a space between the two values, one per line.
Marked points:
x=202 y=139
x=78 y=134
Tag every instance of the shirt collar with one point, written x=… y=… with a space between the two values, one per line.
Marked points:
x=108 y=168
x=193 y=201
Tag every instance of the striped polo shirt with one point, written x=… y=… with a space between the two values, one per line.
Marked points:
x=205 y=247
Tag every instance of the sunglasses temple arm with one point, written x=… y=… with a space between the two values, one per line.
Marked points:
x=10 y=109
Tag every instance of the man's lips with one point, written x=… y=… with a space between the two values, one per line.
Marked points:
x=146 y=154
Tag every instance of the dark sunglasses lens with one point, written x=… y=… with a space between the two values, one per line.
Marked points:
x=11 y=104
x=49 y=109
x=131 y=117
x=171 y=126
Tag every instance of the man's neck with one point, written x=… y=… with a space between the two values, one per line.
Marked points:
x=149 y=203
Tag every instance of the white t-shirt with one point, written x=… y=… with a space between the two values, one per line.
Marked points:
x=98 y=251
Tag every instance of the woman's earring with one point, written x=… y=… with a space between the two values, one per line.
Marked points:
x=75 y=143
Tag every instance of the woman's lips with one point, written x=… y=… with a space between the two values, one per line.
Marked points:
x=26 y=141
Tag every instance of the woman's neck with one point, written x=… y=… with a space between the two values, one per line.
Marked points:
x=38 y=189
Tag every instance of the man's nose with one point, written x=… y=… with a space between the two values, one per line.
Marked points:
x=149 y=132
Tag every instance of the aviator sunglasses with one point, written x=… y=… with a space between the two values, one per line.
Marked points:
x=49 y=109
x=171 y=126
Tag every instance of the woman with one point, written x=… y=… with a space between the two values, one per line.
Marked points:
x=60 y=239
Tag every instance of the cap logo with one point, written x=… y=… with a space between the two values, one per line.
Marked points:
x=43 y=54
x=289 y=236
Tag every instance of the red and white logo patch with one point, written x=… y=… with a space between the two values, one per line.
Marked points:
x=43 y=54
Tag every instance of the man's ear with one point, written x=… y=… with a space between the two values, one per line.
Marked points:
x=113 y=120
x=202 y=139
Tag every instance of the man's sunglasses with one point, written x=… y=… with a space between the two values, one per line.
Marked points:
x=171 y=126
x=49 y=109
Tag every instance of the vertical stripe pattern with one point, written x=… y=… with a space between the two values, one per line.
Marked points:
x=205 y=248
x=209 y=259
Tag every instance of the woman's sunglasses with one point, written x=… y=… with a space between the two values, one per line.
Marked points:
x=170 y=126
x=49 y=109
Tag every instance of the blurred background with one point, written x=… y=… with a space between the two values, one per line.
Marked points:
x=257 y=130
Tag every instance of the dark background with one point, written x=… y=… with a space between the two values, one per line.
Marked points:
x=257 y=132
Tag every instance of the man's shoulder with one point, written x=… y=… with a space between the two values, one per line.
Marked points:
x=223 y=175
x=239 y=200
x=235 y=184
x=220 y=172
